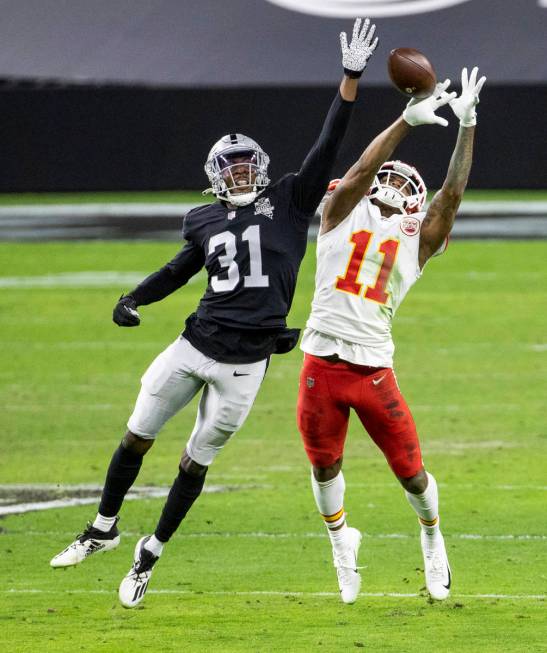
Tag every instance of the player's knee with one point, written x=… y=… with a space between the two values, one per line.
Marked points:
x=136 y=444
x=416 y=484
x=323 y=458
x=327 y=473
x=191 y=467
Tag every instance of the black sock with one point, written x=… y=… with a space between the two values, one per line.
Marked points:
x=122 y=472
x=184 y=491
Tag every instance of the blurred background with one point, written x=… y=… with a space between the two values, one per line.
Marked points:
x=129 y=95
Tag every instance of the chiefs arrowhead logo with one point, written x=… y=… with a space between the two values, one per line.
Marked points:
x=410 y=226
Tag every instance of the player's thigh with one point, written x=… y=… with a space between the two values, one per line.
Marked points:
x=168 y=385
x=225 y=404
x=322 y=416
x=386 y=416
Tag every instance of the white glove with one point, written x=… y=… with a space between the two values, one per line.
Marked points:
x=464 y=106
x=355 y=57
x=422 y=112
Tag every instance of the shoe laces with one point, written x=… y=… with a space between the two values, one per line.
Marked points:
x=87 y=533
x=145 y=563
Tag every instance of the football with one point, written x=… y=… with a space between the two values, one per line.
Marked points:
x=411 y=72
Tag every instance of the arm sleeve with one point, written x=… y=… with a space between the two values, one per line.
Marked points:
x=314 y=175
x=171 y=276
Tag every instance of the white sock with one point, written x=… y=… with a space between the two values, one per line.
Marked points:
x=329 y=498
x=103 y=524
x=154 y=545
x=426 y=506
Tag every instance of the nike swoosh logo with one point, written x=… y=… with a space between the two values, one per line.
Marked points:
x=449 y=580
x=377 y=381
x=241 y=374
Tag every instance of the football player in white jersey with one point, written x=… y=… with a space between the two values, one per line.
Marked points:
x=374 y=241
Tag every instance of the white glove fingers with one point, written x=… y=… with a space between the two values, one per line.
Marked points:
x=445 y=98
x=370 y=35
x=479 y=85
x=441 y=87
x=343 y=42
x=441 y=121
x=373 y=46
x=473 y=77
x=364 y=30
x=464 y=79
x=356 y=28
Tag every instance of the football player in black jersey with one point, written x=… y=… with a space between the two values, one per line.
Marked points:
x=251 y=242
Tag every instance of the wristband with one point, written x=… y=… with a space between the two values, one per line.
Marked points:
x=352 y=74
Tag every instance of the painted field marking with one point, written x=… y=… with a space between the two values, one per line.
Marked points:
x=85 y=279
x=8 y=492
x=134 y=494
x=396 y=595
x=508 y=537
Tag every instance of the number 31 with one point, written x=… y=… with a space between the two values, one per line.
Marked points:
x=227 y=240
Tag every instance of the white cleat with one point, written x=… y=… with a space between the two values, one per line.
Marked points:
x=133 y=587
x=90 y=541
x=349 y=578
x=437 y=570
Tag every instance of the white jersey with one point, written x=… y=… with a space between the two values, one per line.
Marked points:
x=365 y=267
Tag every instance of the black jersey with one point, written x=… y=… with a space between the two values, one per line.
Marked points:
x=252 y=255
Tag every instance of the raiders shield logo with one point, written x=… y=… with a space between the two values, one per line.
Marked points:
x=410 y=226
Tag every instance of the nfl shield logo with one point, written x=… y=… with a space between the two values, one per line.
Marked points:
x=310 y=382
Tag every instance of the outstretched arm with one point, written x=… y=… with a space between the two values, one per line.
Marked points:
x=159 y=284
x=442 y=211
x=358 y=179
x=313 y=177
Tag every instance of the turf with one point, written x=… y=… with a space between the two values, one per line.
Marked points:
x=250 y=569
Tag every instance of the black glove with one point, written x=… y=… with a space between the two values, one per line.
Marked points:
x=125 y=312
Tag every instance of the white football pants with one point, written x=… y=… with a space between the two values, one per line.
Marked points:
x=176 y=376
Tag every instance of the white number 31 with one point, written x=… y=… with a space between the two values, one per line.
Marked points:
x=227 y=261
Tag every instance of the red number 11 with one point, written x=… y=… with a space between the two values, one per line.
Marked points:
x=349 y=283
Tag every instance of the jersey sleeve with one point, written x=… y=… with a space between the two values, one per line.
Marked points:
x=174 y=274
x=314 y=175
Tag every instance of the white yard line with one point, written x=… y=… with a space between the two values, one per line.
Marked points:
x=152 y=492
x=178 y=209
x=396 y=595
x=295 y=536
x=138 y=493
x=86 y=279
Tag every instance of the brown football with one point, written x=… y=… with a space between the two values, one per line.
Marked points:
x=411 y=72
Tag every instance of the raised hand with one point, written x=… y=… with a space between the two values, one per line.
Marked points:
x=464 y=106
x=359 y=51
x=422 y=112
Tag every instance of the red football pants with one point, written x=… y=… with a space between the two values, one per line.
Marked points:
x=327 y=392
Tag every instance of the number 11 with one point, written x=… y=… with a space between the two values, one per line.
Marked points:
x=348 y=283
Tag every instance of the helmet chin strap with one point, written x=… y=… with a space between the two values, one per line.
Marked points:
x=241 y=199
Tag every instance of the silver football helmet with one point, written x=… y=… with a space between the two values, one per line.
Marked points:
x=229 y=153
x=406 y=178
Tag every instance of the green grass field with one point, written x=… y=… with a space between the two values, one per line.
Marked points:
x=250 y=570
